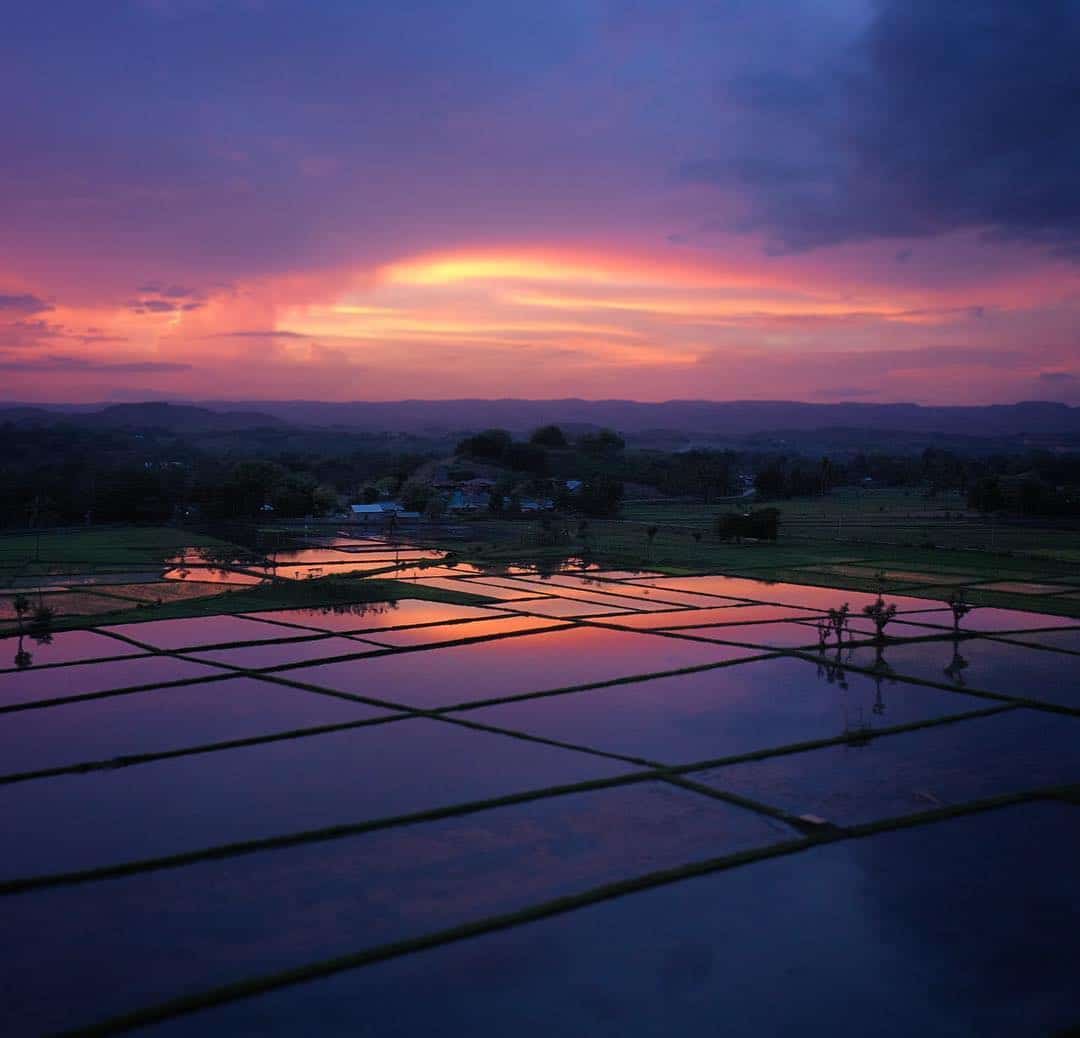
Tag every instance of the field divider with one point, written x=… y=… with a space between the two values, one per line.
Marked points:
x=1015 y=639
x=352 y=632
x=251 y=987
x=557 y=624
x=661 y=772
x=132 y=759
x=40 y=704
x=74 y=663
x=571 y=592
x=22 y=884
x=607 y=683
x=403 y=714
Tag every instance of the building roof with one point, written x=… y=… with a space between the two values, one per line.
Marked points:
x=378 y=508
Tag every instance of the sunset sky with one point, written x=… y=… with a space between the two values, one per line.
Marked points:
x=821 y=200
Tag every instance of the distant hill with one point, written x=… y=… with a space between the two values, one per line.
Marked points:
x=181 y=417
x=177 y=418
x=693 y=418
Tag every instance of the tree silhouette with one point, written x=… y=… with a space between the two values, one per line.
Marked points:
x=957 y=602
x=881 y=614
x=548 y=436
x=838 y=619
x=21 y=605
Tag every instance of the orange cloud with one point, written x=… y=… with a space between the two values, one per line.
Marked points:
x=537 y=321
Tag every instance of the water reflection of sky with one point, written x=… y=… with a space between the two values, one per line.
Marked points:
x=937 y=931
x=415 y=765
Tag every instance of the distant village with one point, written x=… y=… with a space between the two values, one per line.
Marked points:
x=462 y=497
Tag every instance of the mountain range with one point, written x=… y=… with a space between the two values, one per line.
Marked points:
x=692 y=418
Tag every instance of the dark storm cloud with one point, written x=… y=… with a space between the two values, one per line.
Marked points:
x=941 y=117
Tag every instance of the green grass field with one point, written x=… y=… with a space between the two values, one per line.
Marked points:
x=848 y=502
x=840 y=541
x=861 y=518
x=98 y=546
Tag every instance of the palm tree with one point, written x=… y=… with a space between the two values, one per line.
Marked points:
x=881 y=614
x=21 y=605
x=957 y=602
x=838 y=619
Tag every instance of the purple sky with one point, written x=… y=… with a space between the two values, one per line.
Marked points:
x=272 y=198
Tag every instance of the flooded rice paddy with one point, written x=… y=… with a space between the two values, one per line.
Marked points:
x=605 y=803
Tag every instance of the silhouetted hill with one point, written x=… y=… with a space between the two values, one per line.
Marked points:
x=177 y=418
x=181 y=418
x=695 y=417
x=692 y=418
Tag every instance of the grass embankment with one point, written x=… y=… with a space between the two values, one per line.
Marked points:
x=688 y=547
x=104 y=568
x=880 y=517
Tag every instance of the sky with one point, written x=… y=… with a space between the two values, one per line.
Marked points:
x=823 y=200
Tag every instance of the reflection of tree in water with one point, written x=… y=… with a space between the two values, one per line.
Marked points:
x=957 y=665
x=833 y=669
x=217 y=558
x=355 y=608
x=824 y=628
x=23 y=657
x=542 y=567
x=881 y=671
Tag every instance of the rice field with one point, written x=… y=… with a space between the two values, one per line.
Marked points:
x=594 y=801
